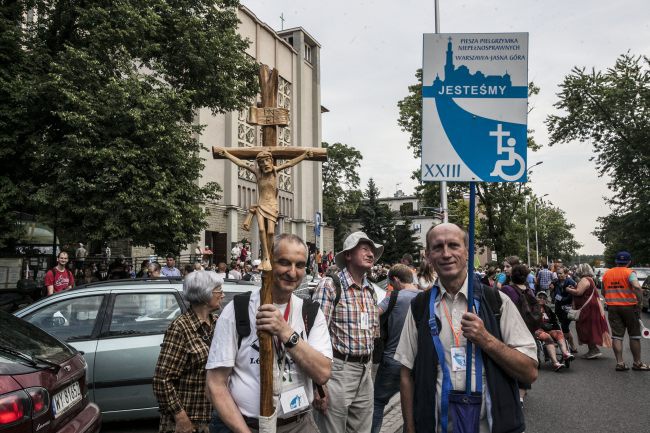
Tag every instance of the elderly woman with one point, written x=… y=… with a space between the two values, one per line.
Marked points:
x=179 y=379
x=592 y=326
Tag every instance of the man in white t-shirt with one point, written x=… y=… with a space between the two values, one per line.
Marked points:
x=233 y=381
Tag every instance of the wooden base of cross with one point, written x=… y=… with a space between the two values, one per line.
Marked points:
x=269 y=117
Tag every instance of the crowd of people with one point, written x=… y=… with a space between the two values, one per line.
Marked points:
x=422 y=335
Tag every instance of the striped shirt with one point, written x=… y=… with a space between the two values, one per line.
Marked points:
x=179 y=378
x=345 y=320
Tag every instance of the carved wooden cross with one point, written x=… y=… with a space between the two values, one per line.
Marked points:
x=269 y=116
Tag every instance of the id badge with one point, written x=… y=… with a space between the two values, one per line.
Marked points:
x=364 y=321
x=294 y=400
x=558 y=297
x=458 y=362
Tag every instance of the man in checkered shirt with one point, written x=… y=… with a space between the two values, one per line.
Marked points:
x=353 y=325
x=544 y=278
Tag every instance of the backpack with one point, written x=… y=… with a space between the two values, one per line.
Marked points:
x=242 y=321
x=67 y=274
x=380 y=342
x=530 y=309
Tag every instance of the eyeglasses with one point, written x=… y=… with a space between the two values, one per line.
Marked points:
x=217 y=292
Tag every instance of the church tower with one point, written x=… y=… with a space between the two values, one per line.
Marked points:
x=449 y=65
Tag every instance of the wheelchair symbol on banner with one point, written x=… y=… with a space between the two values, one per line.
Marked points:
x=509 y=149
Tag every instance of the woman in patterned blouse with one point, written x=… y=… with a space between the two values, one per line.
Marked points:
x=179 y=379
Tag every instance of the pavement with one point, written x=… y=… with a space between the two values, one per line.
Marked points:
x=392 y=416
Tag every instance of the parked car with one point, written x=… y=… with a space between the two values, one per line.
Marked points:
x=42 y=382
x=119 y=326
x=642 y=275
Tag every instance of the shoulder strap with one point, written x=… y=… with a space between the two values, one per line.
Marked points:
x=337 y=284
x=242 y=321
x=494 y=300
x=391 y=302
x=309 y=311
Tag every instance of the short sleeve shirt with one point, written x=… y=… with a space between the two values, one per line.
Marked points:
x=244 y=382
x=60 y=280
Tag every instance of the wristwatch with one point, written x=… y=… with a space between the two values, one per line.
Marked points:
x=292 y=341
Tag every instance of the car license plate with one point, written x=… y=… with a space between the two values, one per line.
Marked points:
x=65 y=399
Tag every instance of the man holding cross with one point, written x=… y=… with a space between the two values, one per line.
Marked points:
x=302 y=354
x=267 y=205
x=429 y=377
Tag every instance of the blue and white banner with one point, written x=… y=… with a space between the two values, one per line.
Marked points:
x=474 y=107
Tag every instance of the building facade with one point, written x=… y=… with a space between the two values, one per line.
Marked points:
x=296 y=56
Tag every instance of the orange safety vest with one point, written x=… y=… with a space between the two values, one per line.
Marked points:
x=617 y=288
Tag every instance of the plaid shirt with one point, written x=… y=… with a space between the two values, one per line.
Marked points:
x=345 y=321
x=179 y=379
x=544 y=278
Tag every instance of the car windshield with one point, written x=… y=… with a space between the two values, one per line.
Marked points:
x=16 y=335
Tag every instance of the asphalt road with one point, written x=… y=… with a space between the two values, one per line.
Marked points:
x=590 y=397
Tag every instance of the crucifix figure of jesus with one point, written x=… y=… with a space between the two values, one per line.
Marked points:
x=266 y=208
x=268 y=116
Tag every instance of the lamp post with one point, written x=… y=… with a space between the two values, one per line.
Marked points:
x=530 y=170
x=536 y=238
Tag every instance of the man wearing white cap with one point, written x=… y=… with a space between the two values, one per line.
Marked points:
x=353 y=317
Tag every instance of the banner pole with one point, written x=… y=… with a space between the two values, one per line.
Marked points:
x=470 y=279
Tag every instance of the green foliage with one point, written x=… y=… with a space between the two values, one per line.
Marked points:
x=98 y=135
x=611 y=110
x=341 y=194
x=376 y=218
x=406 y=241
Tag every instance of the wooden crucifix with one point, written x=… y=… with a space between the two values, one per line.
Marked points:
x=269 y=116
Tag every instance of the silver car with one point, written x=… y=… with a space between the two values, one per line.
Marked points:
x=118 y=326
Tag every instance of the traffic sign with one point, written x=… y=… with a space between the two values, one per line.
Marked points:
x=474 y=107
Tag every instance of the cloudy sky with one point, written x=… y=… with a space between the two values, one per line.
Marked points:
x=371 y=49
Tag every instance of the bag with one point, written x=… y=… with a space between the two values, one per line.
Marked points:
x=465 y=411
x=529 y=309
x=574 y=314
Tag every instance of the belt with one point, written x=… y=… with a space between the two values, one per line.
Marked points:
x=362 y=359
x=255 y=423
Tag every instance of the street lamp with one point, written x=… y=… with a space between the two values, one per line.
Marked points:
x=536 y=238
x=530 y=169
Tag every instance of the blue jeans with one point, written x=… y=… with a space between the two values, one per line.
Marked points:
x=386 y=386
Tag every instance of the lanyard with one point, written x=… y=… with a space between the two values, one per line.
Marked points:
x=280 y=351
x=453 y=331
x=362 y=305
x=440 y=352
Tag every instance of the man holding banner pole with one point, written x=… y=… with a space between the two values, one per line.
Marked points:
x=434 y=352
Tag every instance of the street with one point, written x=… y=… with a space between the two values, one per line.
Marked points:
x=587 y=398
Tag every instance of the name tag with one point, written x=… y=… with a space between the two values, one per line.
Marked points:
x=294 y=400
x=458 y=362
x=365 y=325
x=558 y=297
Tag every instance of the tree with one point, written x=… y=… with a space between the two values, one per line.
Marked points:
x=341 y=194
x=98 y=131
x=377 y=220
x=611 y=109
x=406 y=242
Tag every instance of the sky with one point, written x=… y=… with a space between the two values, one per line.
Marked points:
x=371 y=50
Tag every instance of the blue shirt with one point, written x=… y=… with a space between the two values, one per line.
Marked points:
x=396 y=318
x=170 y=272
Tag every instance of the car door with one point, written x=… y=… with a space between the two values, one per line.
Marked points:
x=128 y=349
x=77 y=321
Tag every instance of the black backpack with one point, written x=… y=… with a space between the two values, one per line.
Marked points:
x=242 y=322
x=380 y=342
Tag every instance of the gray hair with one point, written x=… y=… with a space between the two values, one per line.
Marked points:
x=198 y=286
x=584 y=270
x=287 y=237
